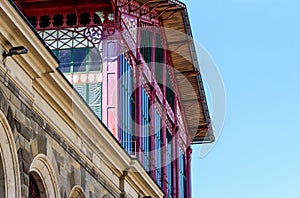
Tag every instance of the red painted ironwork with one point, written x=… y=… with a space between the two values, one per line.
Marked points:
x=129 y=30
x=181 y=139
x=152 y=132
x=201 y=100
x=163 y=11
x=164 y=118
x=141 y=6
x=188 y=171
x=36 y=8
x=125 y=4
x=159 y=5
x=138 y=111
x=58 y=20
x=174 y=164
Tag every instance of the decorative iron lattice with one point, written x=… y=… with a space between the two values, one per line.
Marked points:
x=129 y=33
x=65 y=20
x=67 y=38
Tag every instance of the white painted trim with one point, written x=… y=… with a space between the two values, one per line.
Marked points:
x=77 y=192
x=41 y=165
x=10 y=160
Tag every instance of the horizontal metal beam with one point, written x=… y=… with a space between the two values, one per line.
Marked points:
x=125 y=4
x=141 y=6
x=159 y=5
x=163 y=11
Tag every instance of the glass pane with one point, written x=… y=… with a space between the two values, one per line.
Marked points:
x=95 y=60
x=81 y=89
x=65 y=61
x=146 y=45
x=158 y=61
x=94 y=95
x=170 y=92
x=79 y=60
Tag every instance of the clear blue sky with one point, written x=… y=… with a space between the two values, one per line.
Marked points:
x=256 y=45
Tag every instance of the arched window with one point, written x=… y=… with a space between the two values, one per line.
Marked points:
x=2 y=179
x=77 y=192
x=9 y=166
x=43 y=183
x=34 y=191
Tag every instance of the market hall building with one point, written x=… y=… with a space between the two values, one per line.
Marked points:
x=98 y=99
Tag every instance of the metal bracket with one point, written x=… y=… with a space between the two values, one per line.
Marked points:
x=159 y=5
x=165 y=10
x=125 y=4
x=141 y=6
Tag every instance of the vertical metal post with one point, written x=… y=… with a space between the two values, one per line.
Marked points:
x=188 y=172
x=138 y=99
x=138 y=111
x=164 y=130
x=152 y=103
x=174 y=164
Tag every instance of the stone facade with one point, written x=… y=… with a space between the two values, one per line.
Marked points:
x=33 y=137
x=50 y=139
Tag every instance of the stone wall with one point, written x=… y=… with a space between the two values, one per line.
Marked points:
x=34 y=136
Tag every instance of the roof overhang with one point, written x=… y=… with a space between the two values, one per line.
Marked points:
x=188 y=75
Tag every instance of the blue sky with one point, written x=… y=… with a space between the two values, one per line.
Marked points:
x=256 y=45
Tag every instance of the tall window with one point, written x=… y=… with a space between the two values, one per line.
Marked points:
x=79 y=52
x=158 y=150
x=127 y=137
x=170 y=91
x=146 y=45
x=159 y=57
x=182 y=174
x=91 y=93
x=79 y=60
x=146 y=130
x=83 y=67
x=169 y=164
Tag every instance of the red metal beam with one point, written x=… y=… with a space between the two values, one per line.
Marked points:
x=155 y=7
x=163 y=11
x=141 y=6
x=188 y=171
x=125 y=4
x=46 y=8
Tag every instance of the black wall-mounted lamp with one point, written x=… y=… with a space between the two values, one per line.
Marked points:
x=15 y=51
